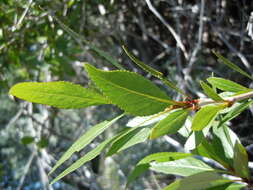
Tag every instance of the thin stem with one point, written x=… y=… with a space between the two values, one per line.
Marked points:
x=207 y=101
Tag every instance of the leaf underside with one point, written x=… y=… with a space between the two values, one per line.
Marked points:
x=144 y=164
x=84 y=140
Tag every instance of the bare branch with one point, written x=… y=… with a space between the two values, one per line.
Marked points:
x=172 y=31
x=26 y=170
x=199 y=42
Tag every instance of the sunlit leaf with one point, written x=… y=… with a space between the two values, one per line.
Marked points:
x=226 y=85
x=58 y=94
x=89 y=156
x=236 y=111
x=227 y=186
x=210 y=92
x=205 y=116
x=241 y=161
x=171 y=124
x=130 y=139
x=130 y=91
x=227 y=139
x=140 y=121
x=232 y=65
x=200 y=181
x=77 y=164
x=183 y=167
x=208 y=149
x=144 y=164
x=84 y=140
x=194 y=140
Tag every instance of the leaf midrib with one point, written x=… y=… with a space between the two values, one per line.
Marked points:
x=223 y=83
x=175 y=165
x=140 y=94
x=71 y=96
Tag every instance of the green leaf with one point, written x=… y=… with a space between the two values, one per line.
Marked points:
x=232 y=65
x=210 y=92
x=241 y=161
x=84 y=140
x=58 y=94
x=205 y=116
x=144 y=164
x=152 y=71
x=226 y=85
x=105 y=56
x=183 y=167
x=147 y=120
x=77 y=164
x=130 y=91
x=227 y=139
x=138 y=135
x=219 y=151
x=27 y=140
x=90 y=155
x=236 y=111
x=228 y=186
x=143 y=65
x=209 y=150
x=171 y=124
x=43 y=143
x=194 y=140
x=199 y=181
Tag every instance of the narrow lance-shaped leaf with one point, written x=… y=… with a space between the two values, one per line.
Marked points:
x=84 y=140
x=236 y=111
x=144 y=164
x=77 y=164
x=225 y=185
x=153 y=72
x=206 y=149
x=171 y=124
x=143 y=65
x=199 y=181
x=130 y=91
x=90 y=155
x=226 y=85
x=227 y=139
x=130 y=139
x=232 y=65
x=194 y=139
x=241 y=161
x=183 y=167
x=205 y=116
x=58 y=94
x=210 y=92
x=147 y=120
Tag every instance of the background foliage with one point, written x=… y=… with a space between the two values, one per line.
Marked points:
x=35 y=46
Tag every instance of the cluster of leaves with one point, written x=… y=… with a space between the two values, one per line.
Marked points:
x=207 y=135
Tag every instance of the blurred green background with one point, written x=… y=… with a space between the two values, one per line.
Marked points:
x=43 y=40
